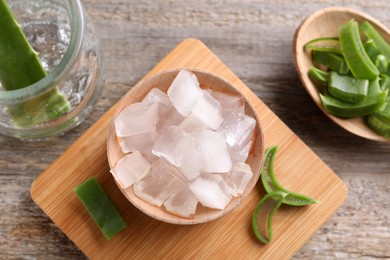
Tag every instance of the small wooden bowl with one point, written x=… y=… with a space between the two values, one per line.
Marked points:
x=325 y=23
x=162 y=81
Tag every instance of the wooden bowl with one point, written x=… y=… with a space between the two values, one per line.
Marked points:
x=162 y=81
x=325 y=23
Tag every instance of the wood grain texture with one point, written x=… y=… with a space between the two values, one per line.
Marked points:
x=227 y=237
x=254 y=39
x=325 y=23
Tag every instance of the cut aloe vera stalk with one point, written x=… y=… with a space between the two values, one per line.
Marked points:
x=373 y=34
x=371 y=49
x=356 y=57
x=19 y=68
x=384 y=81
x=374 y=100
x=382 y=63
x=100 y=207
x=384 y=113
x=328 y=44
x=271 y=184
x=263 y=214
x=378 y=125
x=331 y=60
x=319 y=77
x=347 y=88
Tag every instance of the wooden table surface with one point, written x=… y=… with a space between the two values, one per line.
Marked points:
x=254 y=39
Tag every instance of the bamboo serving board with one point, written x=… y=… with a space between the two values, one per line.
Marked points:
x=297 y=167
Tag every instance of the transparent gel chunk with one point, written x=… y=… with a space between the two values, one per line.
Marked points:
x=170 y=118
x=238 y=129
x=240 y=153
x=192 y=123
x=155 y=95
x=185 y=92
x=238 y=178
x=230 y=102
x=139 y=142
x=210 y=191
x=173 y=145
x=192 y=164
x=136 y=118
x=209 y=111
x=162 y=182
x=130 y=169
x=213 y=150
x=183 y=203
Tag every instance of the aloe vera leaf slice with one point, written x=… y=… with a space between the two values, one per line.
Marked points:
x=330 y=44
x=371 y=49
x=374 y=100
x=347 y=88
x=264 y=213
x=271 y=184
x=100 y=207
x=373 y=34
x=378 y=125
x=354 y=53
x=19 y=68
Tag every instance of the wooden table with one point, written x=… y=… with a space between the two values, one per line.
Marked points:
x=253 y=38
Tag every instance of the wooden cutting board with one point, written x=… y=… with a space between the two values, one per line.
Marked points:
x=297 y=167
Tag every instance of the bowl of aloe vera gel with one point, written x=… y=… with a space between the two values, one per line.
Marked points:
x=50 y=66
x=185 y=147
x=342 y=57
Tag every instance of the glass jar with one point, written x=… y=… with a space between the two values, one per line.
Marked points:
x=69 y=51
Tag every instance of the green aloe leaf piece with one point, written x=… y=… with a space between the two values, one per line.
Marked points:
x=371 y=49
x=271 y=184
x=374 y=101
x=100 y=207
x=354 y=53
x=347 y=88
x=19 y=68
x=264 y=213
x=373 y=34
x=332 y=61
x=319 y=77
x=329 y=44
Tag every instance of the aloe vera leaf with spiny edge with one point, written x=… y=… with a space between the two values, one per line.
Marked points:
x=19 y=68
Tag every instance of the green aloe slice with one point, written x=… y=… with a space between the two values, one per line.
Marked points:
x=373 y=34
x=347 y=88
x=384 y=81
x=271 y=184
x=19 y=68
x=329 y=44
x=382 y=63
x=378 y=125
x=371 y=49
x=331 y=60
x=100 y=207
x=263 y=214
x=355 y=55
x=374 y=100
x=384 y=113
x=319 y=77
